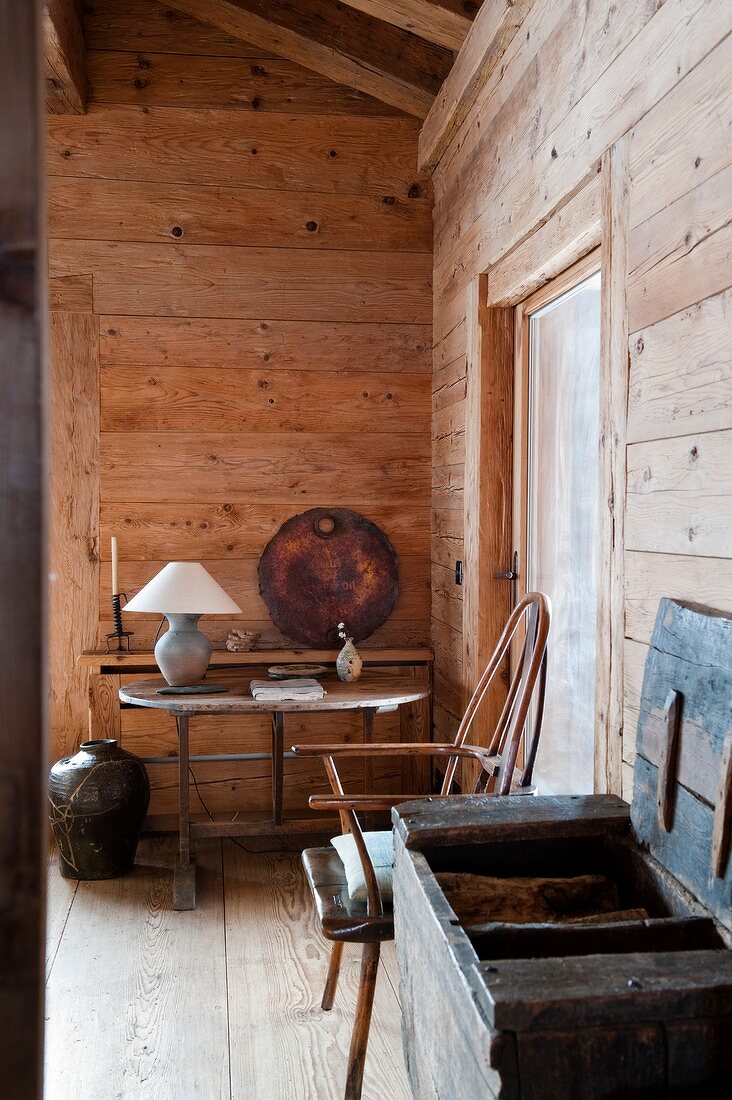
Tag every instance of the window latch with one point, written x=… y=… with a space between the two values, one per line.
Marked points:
x=511 y=575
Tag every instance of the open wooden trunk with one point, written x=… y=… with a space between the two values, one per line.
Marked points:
x=608 y=971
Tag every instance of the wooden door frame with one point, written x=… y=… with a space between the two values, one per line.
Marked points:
x=23 y=762
x=487 y=499
x=594 y=215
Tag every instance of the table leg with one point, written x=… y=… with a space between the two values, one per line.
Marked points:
x=278 y=749
x=184 y=882
x=415 y=724
x=368 y=761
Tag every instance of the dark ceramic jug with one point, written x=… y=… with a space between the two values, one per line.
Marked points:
x=99 y=800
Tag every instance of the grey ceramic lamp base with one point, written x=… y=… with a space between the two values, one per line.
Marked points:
x=183 y=653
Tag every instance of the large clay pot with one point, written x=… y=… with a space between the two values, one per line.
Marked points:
x=99 y=799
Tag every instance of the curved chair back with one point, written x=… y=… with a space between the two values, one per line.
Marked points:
x=533 y=615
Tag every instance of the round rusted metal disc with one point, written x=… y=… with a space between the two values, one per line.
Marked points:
x=328 y=566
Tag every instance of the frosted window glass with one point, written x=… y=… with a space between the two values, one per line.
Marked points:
x=562 y=524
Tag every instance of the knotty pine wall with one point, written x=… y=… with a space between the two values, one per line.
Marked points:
x=240 y=264
x=577 y=78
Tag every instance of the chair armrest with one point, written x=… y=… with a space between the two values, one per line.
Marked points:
x=399 y=748
x=392 y=748
x=364 y=802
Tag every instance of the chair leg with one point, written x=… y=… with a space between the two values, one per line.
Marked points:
x=362 y=1023
x=334 y=969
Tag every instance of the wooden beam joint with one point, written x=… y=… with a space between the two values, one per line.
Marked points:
x=444 y=22
x=490 y=35
x=330 y=38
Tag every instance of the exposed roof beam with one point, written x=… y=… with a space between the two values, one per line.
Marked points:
x=444 y=22
x=64 y=58
x=330 y=38
x=495 y=25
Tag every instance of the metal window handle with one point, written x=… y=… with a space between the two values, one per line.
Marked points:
x=511 y=575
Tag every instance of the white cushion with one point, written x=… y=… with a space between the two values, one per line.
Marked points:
x=380 y=847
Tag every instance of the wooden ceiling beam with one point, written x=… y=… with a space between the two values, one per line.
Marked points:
x=64 y=59
x=444 y=22
x=332 y=39
x=488 y=39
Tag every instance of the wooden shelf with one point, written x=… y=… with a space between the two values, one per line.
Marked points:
x=221 y=658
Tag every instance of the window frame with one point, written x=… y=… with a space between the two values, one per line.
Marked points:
x=550 y=292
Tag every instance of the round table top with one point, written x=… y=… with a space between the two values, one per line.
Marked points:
x=373 y=690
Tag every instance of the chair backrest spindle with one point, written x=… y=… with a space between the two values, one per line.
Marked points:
x=528 y=676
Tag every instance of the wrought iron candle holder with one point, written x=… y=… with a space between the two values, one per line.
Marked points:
x=121 y=636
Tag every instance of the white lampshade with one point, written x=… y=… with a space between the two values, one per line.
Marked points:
x=183 y=588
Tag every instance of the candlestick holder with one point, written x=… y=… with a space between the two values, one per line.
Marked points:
x=121 y=636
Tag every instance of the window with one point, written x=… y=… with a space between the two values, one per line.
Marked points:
x=556 y=509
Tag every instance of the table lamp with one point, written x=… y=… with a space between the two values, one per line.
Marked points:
x=183 y=591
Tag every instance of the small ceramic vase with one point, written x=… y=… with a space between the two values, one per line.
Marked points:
x=349 y=662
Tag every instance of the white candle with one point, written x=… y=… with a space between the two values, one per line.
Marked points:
x=115 y=562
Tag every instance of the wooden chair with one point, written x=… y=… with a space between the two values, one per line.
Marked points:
x=371 y=923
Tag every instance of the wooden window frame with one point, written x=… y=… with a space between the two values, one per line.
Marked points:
x=552 y=290
x=594 y=216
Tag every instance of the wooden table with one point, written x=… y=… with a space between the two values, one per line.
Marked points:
x=373 y=692
x=109 y=717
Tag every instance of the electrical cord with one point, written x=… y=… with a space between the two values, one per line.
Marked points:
x=252 y=851
x=211 y=816
x=157 y=632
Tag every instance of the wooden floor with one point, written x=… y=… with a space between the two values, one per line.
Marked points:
x=222 y=1002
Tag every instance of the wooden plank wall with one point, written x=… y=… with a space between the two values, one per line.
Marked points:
x=241 y=265
x=579 y=76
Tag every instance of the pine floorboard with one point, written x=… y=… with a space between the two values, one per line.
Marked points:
x=60 y=897
x=222 y=1003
